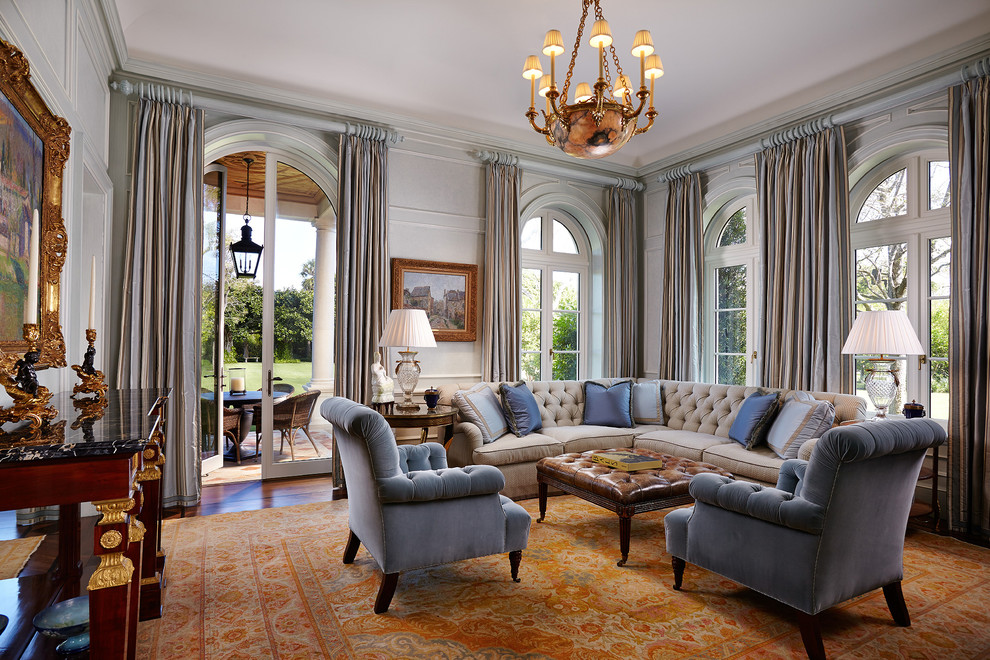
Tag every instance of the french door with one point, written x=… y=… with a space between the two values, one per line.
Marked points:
x=212 y=343
x=290 y=444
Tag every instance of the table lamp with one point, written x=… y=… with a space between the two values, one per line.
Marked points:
x=409 y=328
x=886 y=332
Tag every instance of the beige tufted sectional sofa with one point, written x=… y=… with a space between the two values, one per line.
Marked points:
x=697 y=418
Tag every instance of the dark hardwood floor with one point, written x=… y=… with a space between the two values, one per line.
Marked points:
x=223 y=498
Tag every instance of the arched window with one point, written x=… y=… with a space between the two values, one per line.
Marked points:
x=555 y=292
x=730 y=275
x=901 y=255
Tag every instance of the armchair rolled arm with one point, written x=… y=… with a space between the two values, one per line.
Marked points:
x=791 y=473
x=445 y=484
x=768 y=504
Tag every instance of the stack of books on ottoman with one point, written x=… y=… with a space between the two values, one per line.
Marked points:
x=627 y=461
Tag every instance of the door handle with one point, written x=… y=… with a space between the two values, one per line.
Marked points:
x=270 y=379
x=753 y=358
x=922 y=359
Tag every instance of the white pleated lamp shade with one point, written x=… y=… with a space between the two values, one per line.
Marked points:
x=883 y=332
x=408 y=327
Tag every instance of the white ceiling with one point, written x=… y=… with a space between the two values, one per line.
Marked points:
x=729 y=64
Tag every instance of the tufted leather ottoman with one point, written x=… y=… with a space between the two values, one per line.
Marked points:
x=626 y=493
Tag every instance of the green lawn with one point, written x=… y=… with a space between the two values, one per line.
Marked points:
x=296 y=374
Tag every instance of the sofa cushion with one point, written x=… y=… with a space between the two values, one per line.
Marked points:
x=512 y=449
x=760 y=464
x=754 y=418
x=520 y=408
x=481 y=406
x=647 y=402
x=686 y=444
x=585 y=438
x=608 y=405
x=798 y=421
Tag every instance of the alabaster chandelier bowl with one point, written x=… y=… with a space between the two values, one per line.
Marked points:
x=601 y=118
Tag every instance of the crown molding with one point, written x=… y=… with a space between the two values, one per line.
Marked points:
x=106 y=11
x=888 y=90
x=206 y=85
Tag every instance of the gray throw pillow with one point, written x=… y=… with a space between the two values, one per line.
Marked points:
x=480 y=406
x=647 y=402
x=797 y=422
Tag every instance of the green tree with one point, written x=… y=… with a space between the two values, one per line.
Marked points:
x=293 y=324
x=308 y=274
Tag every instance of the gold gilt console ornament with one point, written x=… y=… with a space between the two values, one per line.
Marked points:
x=593 y=125
x=18 y=377
x=91 y=378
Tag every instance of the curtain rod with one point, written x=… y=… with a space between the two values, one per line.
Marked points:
x=969 y=71
x=558 y=170
x=153 y=91
x=250 y=111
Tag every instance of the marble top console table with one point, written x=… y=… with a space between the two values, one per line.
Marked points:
x=110 y=454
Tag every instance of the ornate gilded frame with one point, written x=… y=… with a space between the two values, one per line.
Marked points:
x=401 y=268
x=53 y=131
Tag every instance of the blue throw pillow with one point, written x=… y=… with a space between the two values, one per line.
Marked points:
x=608 y=406
x=754 y=418
x=520 y=408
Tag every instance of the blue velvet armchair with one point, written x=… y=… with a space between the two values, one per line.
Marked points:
x=832 y=529
x=409 y=509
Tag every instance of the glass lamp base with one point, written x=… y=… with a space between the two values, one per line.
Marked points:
x=407 y=372
x=881 y=385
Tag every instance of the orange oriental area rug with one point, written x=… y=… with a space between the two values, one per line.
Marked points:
x=270 y=584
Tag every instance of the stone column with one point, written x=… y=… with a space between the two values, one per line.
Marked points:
x=323 y=308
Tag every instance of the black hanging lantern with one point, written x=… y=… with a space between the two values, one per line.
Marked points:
x=246 y=253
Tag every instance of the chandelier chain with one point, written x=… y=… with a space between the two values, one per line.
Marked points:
x=577 y=44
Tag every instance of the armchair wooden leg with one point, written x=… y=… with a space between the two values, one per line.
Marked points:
x=350 y=550
x=385 y=592
x=811 y=634
x=678 y=565
x=895 y=603
x=514 y=558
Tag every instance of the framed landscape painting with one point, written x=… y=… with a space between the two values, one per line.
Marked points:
x=448 y=293
x=34 y=146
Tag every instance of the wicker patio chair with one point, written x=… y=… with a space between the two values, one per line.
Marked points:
x=291 y=415
x=232 y=429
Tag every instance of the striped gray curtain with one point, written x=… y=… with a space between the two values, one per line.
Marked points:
x=804 y=209
x=160 y=318
x=680 y=304
x=621 y=276
x=969 y=335
x=363 y=283
x=500 y=340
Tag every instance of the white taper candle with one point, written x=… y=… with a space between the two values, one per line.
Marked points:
x=33 y=265
x=92 y=294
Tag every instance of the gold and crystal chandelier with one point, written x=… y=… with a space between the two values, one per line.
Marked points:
x=593 y=125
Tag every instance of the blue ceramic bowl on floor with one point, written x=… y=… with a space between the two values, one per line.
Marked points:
x=65 y=619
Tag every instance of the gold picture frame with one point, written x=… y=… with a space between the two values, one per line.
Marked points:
x=447 y=291
x=29 y=131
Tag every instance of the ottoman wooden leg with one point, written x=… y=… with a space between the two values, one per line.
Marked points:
x=625 y=527
x=543 y=501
